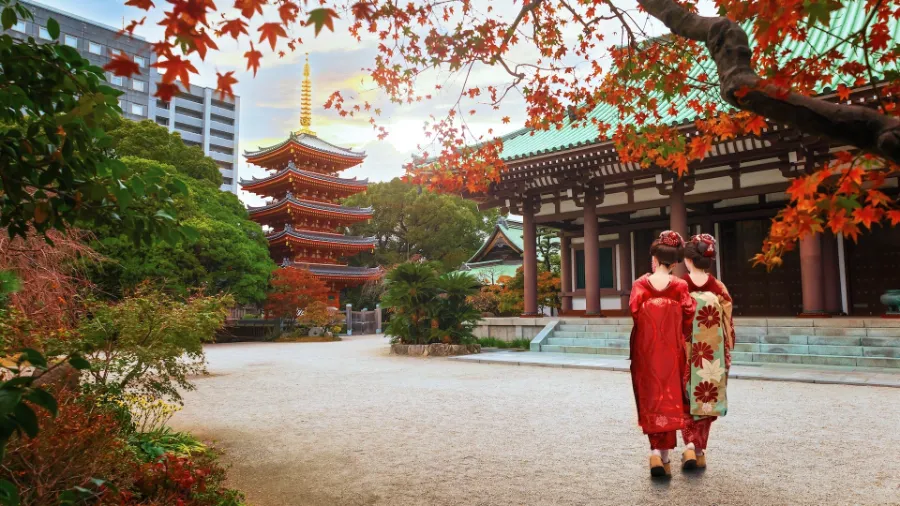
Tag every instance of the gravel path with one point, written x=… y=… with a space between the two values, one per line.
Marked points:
x=347 y=424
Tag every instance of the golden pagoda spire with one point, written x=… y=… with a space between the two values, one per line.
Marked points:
x=306 y=101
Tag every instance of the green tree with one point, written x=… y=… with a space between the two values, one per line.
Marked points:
x=228 y=252
x=411 y=221
x=55 y=167
x=146 y=139
x=548 y=249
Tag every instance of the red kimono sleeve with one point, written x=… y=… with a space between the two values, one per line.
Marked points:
x=688 y=306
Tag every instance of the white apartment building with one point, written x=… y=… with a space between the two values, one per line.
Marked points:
x=205 y=120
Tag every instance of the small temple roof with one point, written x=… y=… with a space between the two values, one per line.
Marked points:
x=846 y=21
x=352 y=240
x=331 y=270
x=316 y=206
x=308 y=141
x=305 y=173
x=509 y=229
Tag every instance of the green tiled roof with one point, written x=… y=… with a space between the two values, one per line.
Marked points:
x=525 y=143
x=491 y=273
x=508 y=228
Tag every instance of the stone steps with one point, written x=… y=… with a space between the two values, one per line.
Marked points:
x=823 y=342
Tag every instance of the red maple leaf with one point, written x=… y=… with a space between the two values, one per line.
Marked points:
x=755 y=125
x=802 y=187
x=363 y=10
x=867 y=215
x=837 y=220
x=894 y=216
x=288 y=12
x=843 y=92
x=176 y=68
x=253 y=56
x=877 y=198
x=141 y=4
x=122 y=65
x=165 y=91
x=224 y=83
x=271 y=31
x=249 y=7
x=234 y=27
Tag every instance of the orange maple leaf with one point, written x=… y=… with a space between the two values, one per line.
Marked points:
x=843 y=92
x=141 y=4
x=224 y=83
x=802 y=187
x=837 y=220
x=877 y=198
x=122 y=65
x=755 y=125
x=894 y=216
x=176 y=68
x=505 y=119
x=250 y=7
x=363 y=10
x=271 y=31
x=700 y=145
x=288 y=12
x=867 y=215
x=253 y=56
x=234 y=27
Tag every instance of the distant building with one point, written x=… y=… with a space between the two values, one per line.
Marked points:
x=98 y=44
x=201 y=118
x=204 y=120
x=500 y=255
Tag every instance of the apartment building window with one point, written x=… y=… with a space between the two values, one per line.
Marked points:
x=95 y=48
x=70 y=40
x=188 y=112
x=161 y=104
x=222 y=105
x=190 y=98
x=220 y=134
x=138 y=85
x=137 y=109
x=117 y=80
x=221 y=149
x=188 y=128
x=227 y=181
x=44 y=34
x=191 y=143
x=140 y=60
x=113 y=52
x=20 y=26
x=225 y=165
x=121 y=104
x=222 y=119
x=162 y=121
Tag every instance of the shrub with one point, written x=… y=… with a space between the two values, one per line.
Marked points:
x=427 y=308
x=292 y=291
x=84 y=441
x=487 y=300
x=179 y=480
x=152 y=446
x=150 y=343
x=491 y=342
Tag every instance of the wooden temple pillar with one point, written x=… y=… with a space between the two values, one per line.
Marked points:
x=591 y=256
x=811 y=276
x=529 y=259
x=624 y=256
x=678 y=217
x=565 y=272
x=831 y=274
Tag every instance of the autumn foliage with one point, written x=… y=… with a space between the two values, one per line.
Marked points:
x=672 y=101
x=292 y=291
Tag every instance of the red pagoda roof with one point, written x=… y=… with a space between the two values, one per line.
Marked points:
x=354 y=241
x=333 y=271
x=292 y=169
x=289 y=199
x=309 y=142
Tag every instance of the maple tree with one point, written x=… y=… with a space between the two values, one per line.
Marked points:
x=704 y=72
x=292 y=291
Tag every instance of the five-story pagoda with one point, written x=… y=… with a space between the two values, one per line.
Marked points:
x=301 y=212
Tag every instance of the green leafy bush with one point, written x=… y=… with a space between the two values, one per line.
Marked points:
x=428 y=308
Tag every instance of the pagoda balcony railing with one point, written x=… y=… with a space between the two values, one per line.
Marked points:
x=322 y=206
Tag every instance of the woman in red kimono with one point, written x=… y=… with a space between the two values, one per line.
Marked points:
x=699 y=254
x=663 y=311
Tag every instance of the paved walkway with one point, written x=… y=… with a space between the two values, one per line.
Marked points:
x=346 y=424
x=859 y=376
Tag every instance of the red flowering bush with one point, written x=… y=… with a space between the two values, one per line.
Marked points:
x=83 y=441
x=181 y=481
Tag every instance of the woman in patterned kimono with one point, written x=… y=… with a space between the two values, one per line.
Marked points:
x=663 y=310
x=710 y=350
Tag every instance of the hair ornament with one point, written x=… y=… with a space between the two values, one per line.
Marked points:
x=709 y=241
x=671 y=238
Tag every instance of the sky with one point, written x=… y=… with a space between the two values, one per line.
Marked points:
x=270 y=102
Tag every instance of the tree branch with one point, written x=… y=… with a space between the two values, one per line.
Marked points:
x=727 y=43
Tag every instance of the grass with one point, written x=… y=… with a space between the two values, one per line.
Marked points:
x=490 y=342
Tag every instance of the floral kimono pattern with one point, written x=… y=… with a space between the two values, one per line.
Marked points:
x=709 y=353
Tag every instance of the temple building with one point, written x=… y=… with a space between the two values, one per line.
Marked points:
x=501 y=253
x=608 y=212
x=303 y=221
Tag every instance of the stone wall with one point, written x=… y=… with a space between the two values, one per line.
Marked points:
x=509 y=329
